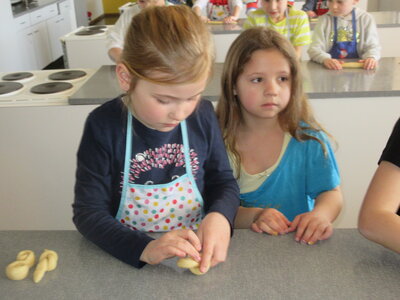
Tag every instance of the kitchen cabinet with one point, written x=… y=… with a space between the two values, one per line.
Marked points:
x=32 y=38
x=60 y=25
x=27 y=61
x=33 y=46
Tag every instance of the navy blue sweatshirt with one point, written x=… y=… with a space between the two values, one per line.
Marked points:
x=100 y=171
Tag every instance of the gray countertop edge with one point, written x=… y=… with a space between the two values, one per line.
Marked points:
x=321 y=96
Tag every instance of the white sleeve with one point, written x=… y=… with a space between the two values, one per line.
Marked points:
x=234 y=3
x=320 y=45
x=369 y=42
x=200 y=4
x=116 y=34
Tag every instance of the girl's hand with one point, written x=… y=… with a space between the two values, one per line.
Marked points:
x=333 y=64
x=230 y=20
x=204 y=19
x=214 y=233
x=272 y=222
x=182 y=242
x=311 y=14
x=311 y=227
x=369 y=63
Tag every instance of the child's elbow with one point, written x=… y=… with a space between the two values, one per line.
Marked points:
x=365 y=224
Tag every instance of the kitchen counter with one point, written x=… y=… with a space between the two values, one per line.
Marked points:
x=258 y=266
x=21 y=9
x=319 y=83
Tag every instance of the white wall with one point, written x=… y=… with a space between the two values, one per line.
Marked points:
x=361 y=127
x=96 y=7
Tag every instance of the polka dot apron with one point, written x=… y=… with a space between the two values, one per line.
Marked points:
x=218 y=9
x=160 y=207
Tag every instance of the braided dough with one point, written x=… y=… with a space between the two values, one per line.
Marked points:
x=19 y=269
x=47 y=262
x=189 y=263
x=353 y=65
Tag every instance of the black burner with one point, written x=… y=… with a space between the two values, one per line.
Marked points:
x=9 y=87
x=96 y=27
x=67 y=75
x=89 y=32
x=51 y=87
x=17 y=76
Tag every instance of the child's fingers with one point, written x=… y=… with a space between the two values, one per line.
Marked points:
x=268 y=228
x=205 y=263
x=327 y=233
x=191 y=236
x=256 y=228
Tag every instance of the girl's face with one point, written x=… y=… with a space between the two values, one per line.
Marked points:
x=264 y=85
x=275 y=9
x=341 y=8
x=163 y=106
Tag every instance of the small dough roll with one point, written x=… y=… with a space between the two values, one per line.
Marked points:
x=191 y=264
x=353 y=65
x=19 y=269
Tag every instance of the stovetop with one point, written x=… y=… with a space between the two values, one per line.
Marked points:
x=87 y=32
x=42 y=87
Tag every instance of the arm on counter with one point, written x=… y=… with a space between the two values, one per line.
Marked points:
x=378 y=220
x=370 y=47
x=320 y=45
x=96 y=197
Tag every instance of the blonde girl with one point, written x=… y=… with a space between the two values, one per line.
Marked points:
x=286 y=169
x=154 y=160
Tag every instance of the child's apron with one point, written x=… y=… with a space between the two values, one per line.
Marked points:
x=160 y=207
x=321 y=8
x=346 y=49
x=218 y=9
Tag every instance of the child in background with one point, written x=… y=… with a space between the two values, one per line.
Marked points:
x=379 y=218
x=116 y=34
x=286 y=169
x=227 y=11
x=315 y=8
x=290 y=22
x=154 y=160
x=345 y=32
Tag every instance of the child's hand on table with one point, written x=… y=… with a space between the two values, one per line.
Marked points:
x=271 y=221
x=214 y=233
x=333 y=64
x=311 y=227
x=182 y=242
x=230 y=20
x=311 y=14
x=369 y=63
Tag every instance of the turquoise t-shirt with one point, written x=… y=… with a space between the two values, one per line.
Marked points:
x=304 y=172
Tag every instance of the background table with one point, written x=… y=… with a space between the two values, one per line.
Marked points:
x=259 y=266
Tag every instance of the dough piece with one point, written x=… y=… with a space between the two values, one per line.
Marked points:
x=47 y=262
x=19 y=269
x=219 y=22
x=191 y=264
x=353 y=65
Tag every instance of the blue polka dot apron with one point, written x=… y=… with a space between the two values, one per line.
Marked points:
x=160 y=207
x=347 y=49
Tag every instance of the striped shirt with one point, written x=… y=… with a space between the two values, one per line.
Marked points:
x=299 y=28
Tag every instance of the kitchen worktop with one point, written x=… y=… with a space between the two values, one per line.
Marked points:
x=21 y=9
x=258 y=266
x=319 y=83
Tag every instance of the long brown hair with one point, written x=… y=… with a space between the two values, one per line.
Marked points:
x=297 y=118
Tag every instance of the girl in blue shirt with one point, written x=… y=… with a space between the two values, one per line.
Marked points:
x=286 y=169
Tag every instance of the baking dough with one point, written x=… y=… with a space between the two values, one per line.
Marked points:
x=47 y=262
x=191 y=264
x=19 y=269
x=219 y=22
x=353 y=65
